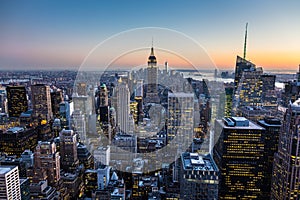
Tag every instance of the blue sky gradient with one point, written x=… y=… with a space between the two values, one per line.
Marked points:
x=60 y=33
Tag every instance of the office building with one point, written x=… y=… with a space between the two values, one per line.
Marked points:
x=46 y=163
x=239 y=154
x=253 y=113
x=81 y=89
x=199 y=177
x=41 y=102
x=65 y=114
x=15 y=140
x=180 y=126
x=72 y=184
x=84 y=156
x=102 y=96
x=16 y=100
x=152 y=82
x=25 y=188
x=271 y=138
x=249 y=89
x=241 y=65
x=78 y=124
x=9 y=183
x=56 y=98
x=42 y=190
x=229 y=91
x=286 y=169
x=68 y=150
x=123 y=106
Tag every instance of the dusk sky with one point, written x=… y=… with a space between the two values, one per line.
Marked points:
x=60 y=34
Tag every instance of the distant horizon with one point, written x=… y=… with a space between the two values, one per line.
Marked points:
x=127 y=69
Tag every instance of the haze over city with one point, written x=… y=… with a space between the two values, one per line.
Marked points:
x=60 y=34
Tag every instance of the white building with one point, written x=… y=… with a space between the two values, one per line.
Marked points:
x=123 y=106
x=9 y=183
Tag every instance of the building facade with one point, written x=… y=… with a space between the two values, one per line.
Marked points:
x=16 y=100
x=41 y=101
x=199 y=177
x=286 y=170
x=9 y=183
x=239 y=154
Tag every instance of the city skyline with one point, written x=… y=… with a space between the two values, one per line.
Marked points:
x=60 y=34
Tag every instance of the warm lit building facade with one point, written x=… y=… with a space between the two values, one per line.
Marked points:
x=41 y=102
x=16 y=100
x=271 y=138
x=68 y=150
x=239 y=154
x=15 y=140
x=286 y=170
x=47 y=163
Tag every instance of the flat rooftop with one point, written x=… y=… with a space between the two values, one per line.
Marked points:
x=15 y=129
x=6 y=169
x=246 y=124
x=180 y=94
x=195 y=161
x=270 y=122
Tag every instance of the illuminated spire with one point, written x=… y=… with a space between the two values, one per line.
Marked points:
x=245 y=44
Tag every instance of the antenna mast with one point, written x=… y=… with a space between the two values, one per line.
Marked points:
x=245 y=44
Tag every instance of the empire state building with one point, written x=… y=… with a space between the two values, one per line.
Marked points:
x=152 y=70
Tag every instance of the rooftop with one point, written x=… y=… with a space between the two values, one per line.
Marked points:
x=195 y=161
x=238 y=123
x=180 y=94
x=15 y=129
x=270 y=122
x=6 y=169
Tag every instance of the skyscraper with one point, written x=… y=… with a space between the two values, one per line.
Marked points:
x=15 y=140
x=249 y=89
x=123 y=106
x=139 y=93
x=229 y=91
x=286 y=170
x=46 y=163
x=152 y=85
x=41 y=101
x=199 y=177
x=271 y=138
x=241 y=65
x=78 y=124
x=239 y=154
x=9 y=183
x=103 y=95
x=180 y=126
x=68 y=150
x=56 y=99
x=17 y=100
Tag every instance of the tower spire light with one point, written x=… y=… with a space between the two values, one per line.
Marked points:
x=245 y=44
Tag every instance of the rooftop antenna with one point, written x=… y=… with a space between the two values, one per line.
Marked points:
x=152 y=51
x=152 y=41
x=245 y=44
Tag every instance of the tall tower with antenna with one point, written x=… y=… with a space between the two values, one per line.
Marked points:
x=152 y=82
